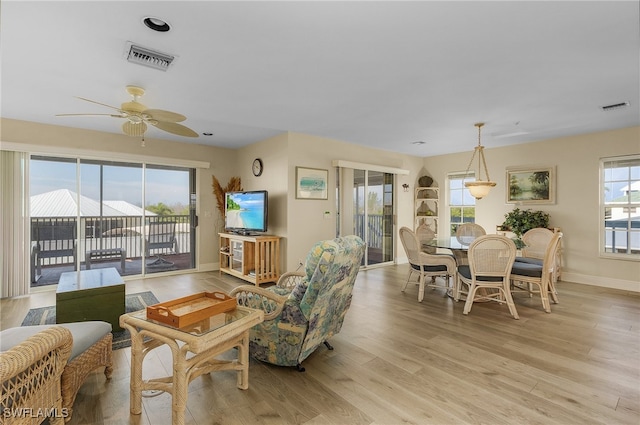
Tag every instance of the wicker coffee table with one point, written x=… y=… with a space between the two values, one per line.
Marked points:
x=205 y=340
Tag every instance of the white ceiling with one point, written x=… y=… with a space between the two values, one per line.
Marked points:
x=380 y=74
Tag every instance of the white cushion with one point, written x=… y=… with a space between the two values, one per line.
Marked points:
x=85 y=334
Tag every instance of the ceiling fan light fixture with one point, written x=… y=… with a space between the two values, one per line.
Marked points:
x=134 y=129
x=479 y=188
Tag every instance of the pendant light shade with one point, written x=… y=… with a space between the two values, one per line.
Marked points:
x=479 y=188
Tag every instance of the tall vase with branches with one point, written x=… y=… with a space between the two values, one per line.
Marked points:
x=233 y=185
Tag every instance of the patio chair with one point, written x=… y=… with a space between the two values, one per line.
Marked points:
x=52 y=241
x=301 y=314
x=162 y=234
x=426 y=265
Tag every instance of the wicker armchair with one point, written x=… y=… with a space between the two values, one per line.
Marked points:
x=30 y=373
x=303 y=310
x=91 y=350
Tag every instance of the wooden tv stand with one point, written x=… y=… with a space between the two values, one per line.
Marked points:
x=255 y=259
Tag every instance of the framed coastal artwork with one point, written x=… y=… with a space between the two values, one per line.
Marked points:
x=311 y=183
x=531 y=185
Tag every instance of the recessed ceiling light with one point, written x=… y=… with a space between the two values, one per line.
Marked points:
x=156 y=24
x=419 y=142
x=207 y=134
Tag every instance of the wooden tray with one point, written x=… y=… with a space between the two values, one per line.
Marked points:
x=185 y=311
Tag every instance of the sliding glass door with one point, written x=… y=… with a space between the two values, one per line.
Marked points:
x=170 y=243
x=88 y=214
x=372 y=211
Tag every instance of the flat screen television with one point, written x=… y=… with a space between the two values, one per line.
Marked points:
x=246 y=212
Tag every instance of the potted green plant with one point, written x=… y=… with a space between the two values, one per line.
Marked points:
x=519 y=221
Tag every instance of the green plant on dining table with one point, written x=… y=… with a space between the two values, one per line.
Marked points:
x=520 y=221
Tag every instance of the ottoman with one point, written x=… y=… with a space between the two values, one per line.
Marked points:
x=96 y=294
x=91 y=350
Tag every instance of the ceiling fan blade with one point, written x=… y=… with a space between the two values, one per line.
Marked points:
x=90 y=115
x=172 y=127
x=167 y=116
x=134 y=129
x=98 y=103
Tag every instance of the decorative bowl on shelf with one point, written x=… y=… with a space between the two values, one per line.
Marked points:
x=425 y=181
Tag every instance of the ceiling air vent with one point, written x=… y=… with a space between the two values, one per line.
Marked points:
x=148 y=57
x=615 y=106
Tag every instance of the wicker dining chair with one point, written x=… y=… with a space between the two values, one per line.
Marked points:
x=468 y=232
x=526 y=274
x=488 y=273
x=427 y=265
x=536 y=242
x=425 y=235
x=465 y=234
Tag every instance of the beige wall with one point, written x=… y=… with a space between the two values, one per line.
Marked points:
x=576 y=210
x=301 y=222
x=306 y=217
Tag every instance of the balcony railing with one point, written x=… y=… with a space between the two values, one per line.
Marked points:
x=104 y=233
x=374 y=226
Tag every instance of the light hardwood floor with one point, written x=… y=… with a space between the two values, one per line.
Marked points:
x=398 y=361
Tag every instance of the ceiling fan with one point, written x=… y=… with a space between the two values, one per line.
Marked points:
x=138 y=116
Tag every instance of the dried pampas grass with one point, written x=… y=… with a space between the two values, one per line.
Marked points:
x=219 y=191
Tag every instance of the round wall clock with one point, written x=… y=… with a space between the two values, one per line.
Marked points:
x=257 y=167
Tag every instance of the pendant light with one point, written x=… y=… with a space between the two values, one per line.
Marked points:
x=479 y=188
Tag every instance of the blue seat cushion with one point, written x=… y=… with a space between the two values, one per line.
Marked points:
x=85 y=334
x=526 y=269
x=529 y=260
x=430 y=268
x=465 y=271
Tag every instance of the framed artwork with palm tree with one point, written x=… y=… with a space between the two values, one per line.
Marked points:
x=531 y=185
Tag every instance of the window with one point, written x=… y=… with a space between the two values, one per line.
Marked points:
x=462 y=206
x=620 y=206
x=113 y=208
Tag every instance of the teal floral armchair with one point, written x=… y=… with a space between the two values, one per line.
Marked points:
x=304 y=310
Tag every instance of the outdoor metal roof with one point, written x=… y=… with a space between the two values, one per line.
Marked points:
x=64 y=203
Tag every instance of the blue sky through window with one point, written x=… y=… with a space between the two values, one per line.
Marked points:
x=170 y=187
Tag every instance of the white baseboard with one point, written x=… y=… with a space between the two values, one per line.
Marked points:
x=209 y=267
x=605 y=282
